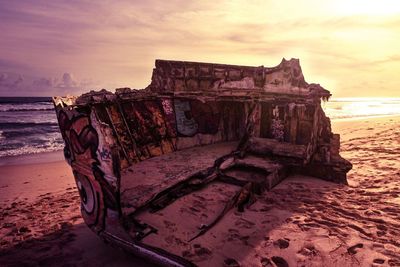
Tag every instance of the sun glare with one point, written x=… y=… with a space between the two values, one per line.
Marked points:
x=369 y=7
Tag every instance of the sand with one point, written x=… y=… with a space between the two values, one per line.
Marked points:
x=40 y=221
x=309 y=222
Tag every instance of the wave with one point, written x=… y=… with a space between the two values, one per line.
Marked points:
x=335 y=117
x=25 y=109
x=13 y=134
x=362 y=107
x=24 y=100
x=29 y=149
x=28 y=125
x=8 y=125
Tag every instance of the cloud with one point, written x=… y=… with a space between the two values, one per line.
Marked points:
x=15 y=84
x=18 y=81
x=67 y=80
x=11 y=81
x=115 y=43
x=390 y=59
x=42 y=82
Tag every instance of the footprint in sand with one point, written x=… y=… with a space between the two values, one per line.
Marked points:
x=231 y=263
x=198 y=253
x=281 y=243
x=170 y=225
x=279 y=261
x=379 y=261
x=382 y=229
x=308 y=250
x=244 y=224
x=265 y=262
x=354 y=249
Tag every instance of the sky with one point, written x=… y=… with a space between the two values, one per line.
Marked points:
x=350 y=47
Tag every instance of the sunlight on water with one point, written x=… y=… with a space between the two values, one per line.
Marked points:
x=29 y=125
x=340 y=108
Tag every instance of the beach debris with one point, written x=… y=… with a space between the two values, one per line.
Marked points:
x=215 y=135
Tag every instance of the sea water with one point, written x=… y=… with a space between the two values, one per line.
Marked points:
x=28 y=125
x=352 y=107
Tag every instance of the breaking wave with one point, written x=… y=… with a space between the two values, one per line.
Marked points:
x=28 y=126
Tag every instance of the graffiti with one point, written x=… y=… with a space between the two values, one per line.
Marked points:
x=277 y=129
x=106 y=134
x=86 y=193
x=194 y=117
x=167 y=106
x=86 y=139
x=78 y=133
x=277 y=125
x=186 y=125
x=105 y=154
x=170 y=122
x=153 y=124
x=81 y=146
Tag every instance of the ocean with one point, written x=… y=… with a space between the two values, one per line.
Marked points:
x=28 y=125
x=361 y=107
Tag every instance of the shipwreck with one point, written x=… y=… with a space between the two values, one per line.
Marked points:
x=170 y=163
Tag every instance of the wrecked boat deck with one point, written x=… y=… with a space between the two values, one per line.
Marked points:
x=166 y=172
x=157 y=181
x=177 y=199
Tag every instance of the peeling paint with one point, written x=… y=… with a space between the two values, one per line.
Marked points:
x=140 y=150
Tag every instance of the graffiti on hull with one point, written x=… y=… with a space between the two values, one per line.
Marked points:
x=186 y=124
x=82 y=151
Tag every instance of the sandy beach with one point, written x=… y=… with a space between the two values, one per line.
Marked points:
x=311 y=222
x=40 y=220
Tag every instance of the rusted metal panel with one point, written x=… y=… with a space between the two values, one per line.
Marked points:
x=134 y=151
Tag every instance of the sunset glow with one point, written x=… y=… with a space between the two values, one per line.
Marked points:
x=199 y=133
x=52 y=48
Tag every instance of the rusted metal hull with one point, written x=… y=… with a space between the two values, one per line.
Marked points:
x=227 y=132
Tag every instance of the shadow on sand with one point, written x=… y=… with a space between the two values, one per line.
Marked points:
x=72 y=245
x=305 y=221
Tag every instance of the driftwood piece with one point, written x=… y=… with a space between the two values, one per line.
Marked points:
x=264 y=146
x=242 y=197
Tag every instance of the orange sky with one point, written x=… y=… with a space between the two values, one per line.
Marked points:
x=349 y=47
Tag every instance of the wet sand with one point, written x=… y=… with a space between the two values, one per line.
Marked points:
x=310 y=222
